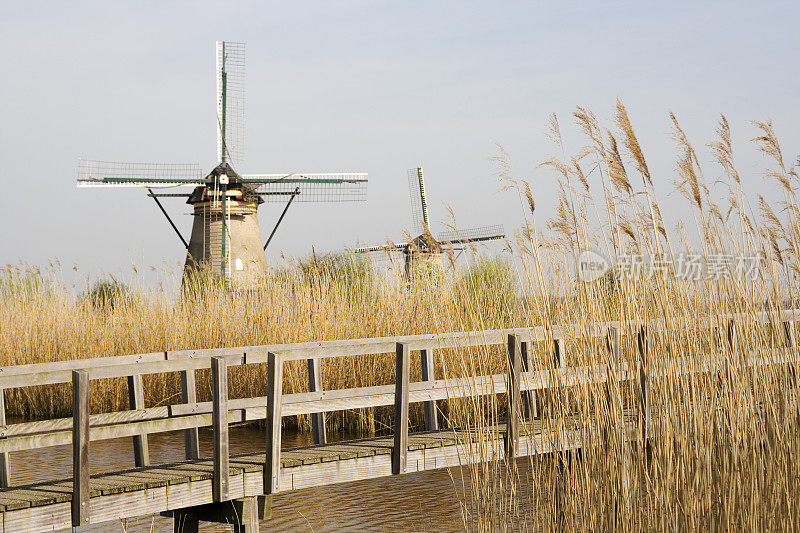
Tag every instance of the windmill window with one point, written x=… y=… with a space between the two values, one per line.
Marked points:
x=239 y=264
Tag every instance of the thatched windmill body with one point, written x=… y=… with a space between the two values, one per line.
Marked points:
x=425 y=246
x=225 y=234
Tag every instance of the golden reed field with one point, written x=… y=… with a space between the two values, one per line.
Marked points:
x=725 y=453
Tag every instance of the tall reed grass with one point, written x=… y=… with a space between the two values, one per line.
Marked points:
x=716 y=450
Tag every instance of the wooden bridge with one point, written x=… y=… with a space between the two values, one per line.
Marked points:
x=237 y=489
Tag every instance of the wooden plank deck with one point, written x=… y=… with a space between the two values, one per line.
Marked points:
x=154 y=489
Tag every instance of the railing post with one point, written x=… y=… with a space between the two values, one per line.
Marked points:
x=219 y=401
x=616 y=362
x=513 y=394
x=141 y=451
x=531 y=409
x=615 y=351
x=612 y=370
x=5 y=466
x=272 y=465
x=400 y=449
x=428 y=374
x=644 y=406
x=560 y=362
x=558 y=353
x=191 y=437
x=315 y=385
x=615 y=403
x=788 y=330
x=80 y=447
x=733 y=339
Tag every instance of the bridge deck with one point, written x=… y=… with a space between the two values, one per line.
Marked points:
x=149 y=490
x=186 y=488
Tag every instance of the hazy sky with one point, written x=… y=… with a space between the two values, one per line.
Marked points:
x=362 y=86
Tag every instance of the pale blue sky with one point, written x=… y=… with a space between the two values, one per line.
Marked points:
x=362 y=86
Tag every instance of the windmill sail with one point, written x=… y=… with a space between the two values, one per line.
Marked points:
x=426 y=245
x=486 y=233
x=278 y=188
x=419 y=202
x=230 y=102
x=93 y=173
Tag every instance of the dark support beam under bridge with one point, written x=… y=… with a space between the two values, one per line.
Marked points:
x=243 y=514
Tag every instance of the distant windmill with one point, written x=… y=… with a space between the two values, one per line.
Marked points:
x=225 y=235
x=426 y=245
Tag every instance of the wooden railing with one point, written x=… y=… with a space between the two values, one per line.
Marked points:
x=519 y=382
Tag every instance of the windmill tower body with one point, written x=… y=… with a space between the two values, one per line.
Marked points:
x=225 y=235
x=421 y=256
x=415 y=262
x=243 y=258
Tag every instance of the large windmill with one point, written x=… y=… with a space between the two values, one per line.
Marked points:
x=426 y=245
x=225 y=235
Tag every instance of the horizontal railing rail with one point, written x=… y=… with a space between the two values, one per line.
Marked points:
x=177 y=360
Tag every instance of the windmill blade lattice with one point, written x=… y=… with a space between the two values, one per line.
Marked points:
x=382 y=248
x=230 y=102
x=419 y=201
x=485 y=233
x=92 y=173
x=349 y=187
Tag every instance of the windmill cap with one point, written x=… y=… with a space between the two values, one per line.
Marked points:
x=224 y=169
x=249 y=192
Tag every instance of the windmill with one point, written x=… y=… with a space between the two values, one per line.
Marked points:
x=225 y=235
x=425 y=245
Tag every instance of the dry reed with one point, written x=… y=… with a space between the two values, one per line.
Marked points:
x=713 y=450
